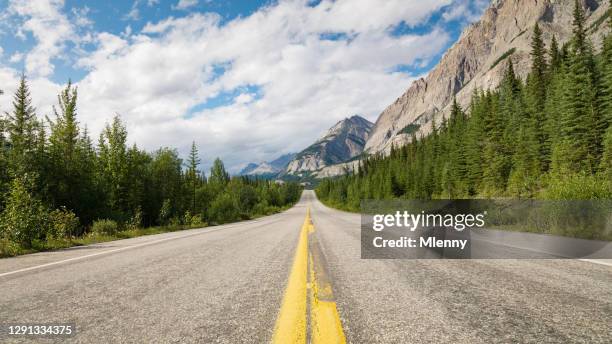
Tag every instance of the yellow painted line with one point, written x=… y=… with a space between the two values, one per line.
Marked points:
x=291 y=322
x=326 y=327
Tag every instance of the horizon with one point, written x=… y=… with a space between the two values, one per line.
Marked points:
x=188 y=70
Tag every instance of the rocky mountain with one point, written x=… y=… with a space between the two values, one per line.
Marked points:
x=265 y=168
x=341 y=143
x=478 y=60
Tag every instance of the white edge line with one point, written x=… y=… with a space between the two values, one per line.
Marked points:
x=595 y=261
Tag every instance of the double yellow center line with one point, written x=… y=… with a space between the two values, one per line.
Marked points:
x=308 y=302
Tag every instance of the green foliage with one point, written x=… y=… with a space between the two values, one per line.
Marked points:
x=502 y=57
x=21 y=126
x=582 y=126
x=24 y=218
x=105 y=227
x=193 y=176
x=135 y=221
x=165 y=212
x=410 y=129
x=224 y=209
x=127 y=187
x=218 y=176
x=63 y=223
x=577 y=186
x=192 y=220
x=112 y=164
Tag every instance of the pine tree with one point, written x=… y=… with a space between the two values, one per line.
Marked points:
x=474 y=142
x=21 y=126
x=218 y=175
x=555 y=55
x=193 y=175
x=606 y=66
x=4 y=173
x=63 y=144
x=606 y=159
x=582 y=128
x=536 y=95
x=113 y=166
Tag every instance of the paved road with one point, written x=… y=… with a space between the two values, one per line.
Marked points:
x=226 y=284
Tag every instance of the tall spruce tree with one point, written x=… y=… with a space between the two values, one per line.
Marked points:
x=218 y=175
x=193 y=175
x=606 y=64
x=554 y=54
x=112 y=162
x=21 y=125
x=63 y=151
x=4 y=173
x=580 y=145
x=536 y=96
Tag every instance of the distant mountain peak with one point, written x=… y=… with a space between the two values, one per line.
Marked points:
x=265 y=168
x=340 y=143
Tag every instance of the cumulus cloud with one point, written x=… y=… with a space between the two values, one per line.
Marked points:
x=185 y=4
x=249 y=89
x=51 y=29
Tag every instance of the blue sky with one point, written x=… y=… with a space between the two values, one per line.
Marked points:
x=247 y=80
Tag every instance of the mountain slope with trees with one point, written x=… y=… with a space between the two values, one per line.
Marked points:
x=477 y=61
x=548 y=136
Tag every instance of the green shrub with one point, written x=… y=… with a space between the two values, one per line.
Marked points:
x=9 y=248
x=578 y=186
x=164 y=212
x=105 y=227
x=175 y=222
x=223 y=209
x=503 y=57
x=62 y=223
x=192 y=220
x=24 y=218
x=135 y=222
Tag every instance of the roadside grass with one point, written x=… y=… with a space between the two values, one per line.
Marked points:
x=10 y=249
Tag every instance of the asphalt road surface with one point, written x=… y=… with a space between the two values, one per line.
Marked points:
x=232 y=283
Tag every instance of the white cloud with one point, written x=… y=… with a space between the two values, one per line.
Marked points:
x=80 y=16
x=244 y=98
x=185 y=4
x=289 y=83
x=306 y=83
x=49 y=26
x=467 y=10
x=16 y=57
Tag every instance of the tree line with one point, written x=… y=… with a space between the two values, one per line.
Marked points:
x=56 y=183
x=548 y=136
